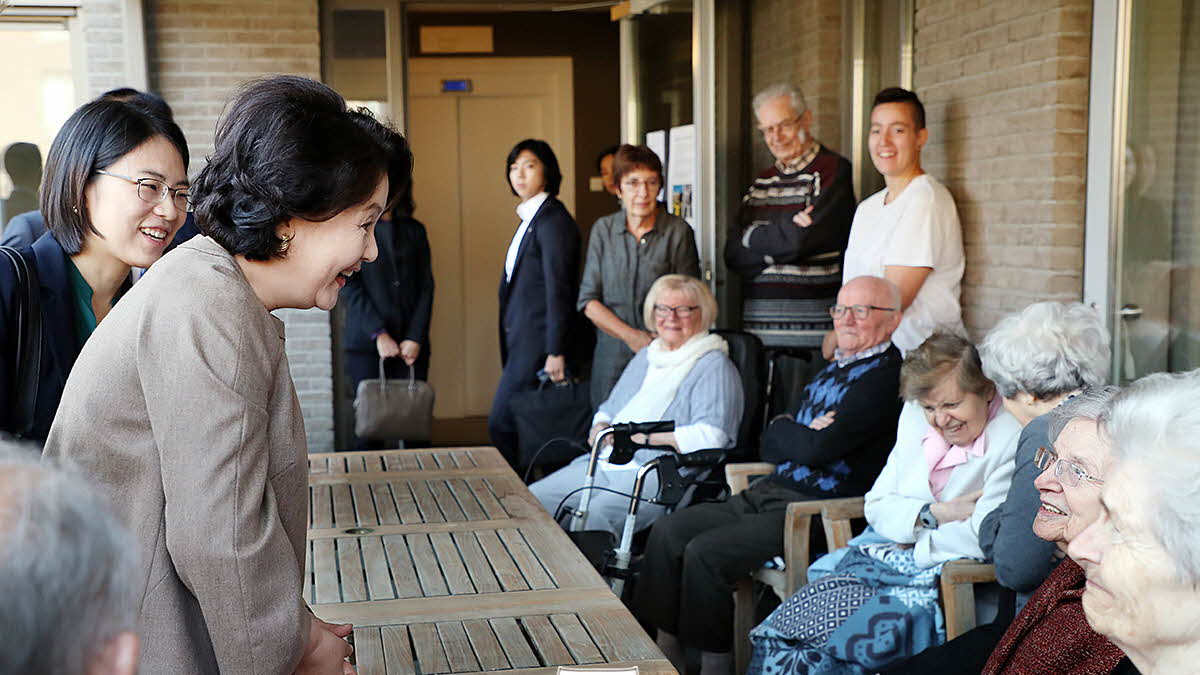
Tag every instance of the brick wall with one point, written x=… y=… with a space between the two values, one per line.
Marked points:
x=198 y=53
x=1005 y=87
x=104 y=45
x=799 y=41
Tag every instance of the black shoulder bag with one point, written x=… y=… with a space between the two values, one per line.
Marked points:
x=27 y=357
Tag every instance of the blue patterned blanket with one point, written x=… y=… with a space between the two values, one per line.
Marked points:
x=867 y=607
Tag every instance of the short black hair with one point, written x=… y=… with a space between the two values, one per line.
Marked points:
x=288 y=147
x=95 y=136
x=899 y=95
x=541 y=150
x=142 y=98
x=404 y=202
x=610 y=150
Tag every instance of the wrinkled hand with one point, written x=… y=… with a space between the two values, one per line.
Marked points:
x=637 y=340
x=325 y=653
x=596 y=429
x=386 y=346
x=822 y=421
x=409 y=351
x=803 y=219
x=828 y=345
x=342 y=630
x=556 y=367
x=959 y=508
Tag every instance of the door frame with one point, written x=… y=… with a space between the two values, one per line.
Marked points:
x=1105 y=196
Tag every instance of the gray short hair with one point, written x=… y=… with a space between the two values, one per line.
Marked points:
x=693 y=287
x=775 y=91
x=67 y=569
x=1046 y=350
x=1089 y=404
x=1156 y=422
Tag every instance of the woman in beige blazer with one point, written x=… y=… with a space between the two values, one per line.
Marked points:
x=181 y=405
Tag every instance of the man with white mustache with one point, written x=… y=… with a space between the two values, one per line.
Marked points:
x=792 y=227
x=908 y=233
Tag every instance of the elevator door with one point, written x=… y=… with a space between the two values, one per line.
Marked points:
x=460 y=140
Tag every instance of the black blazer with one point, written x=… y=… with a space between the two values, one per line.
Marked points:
x=537 y=305
x=394 y=292
x=60 y=342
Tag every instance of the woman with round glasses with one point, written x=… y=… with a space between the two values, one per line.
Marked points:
x=114 y=192
x=627 y=251
x=683 y=375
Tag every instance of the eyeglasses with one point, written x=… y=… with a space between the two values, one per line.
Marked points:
x=1073 y=472
x=154 y=191
x=786 y=125
x=633 y=185
x=682 y=311
x=860 y=311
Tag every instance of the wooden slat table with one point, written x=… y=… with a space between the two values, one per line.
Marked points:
x=445 y=563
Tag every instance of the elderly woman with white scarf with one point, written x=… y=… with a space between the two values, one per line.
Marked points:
x=685 y=376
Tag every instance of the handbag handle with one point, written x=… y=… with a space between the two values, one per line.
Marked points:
x=412 y=377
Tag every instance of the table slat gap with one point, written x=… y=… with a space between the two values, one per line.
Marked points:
x=428 y=647
x=545 y=639
x=457 y=579
x=515 y=643
x=458 y=648
x=480 y=571
x=576 y=638
x=486 y=646
x=425 y=561
x=502 y=563
x=400 y=566
x=530 y=566
x=397 y=650
x=368 y=652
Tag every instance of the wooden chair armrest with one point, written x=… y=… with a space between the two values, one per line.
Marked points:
x=836 y=515
x=738 y=475
x=968 y=572
x=958 y=593
x=796 y=530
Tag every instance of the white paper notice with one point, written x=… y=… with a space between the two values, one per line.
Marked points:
x=657 y=141
x=681 y=173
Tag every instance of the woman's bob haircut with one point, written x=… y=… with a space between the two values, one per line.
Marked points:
x=692 y=287
x=541 y=150
x=287 y=147
x=94 y=137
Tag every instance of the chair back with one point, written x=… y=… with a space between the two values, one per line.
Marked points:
x=750 y=358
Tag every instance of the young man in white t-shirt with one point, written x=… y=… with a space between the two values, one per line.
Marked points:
x=908 y=233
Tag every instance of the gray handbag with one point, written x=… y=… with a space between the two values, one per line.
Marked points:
x=393 y=410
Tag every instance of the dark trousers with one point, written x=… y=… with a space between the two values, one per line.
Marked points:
x=966 y=654
x=696 y=555
x=365 y=366
x=520 y=374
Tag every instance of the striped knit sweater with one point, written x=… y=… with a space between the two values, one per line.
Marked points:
x=793 y=273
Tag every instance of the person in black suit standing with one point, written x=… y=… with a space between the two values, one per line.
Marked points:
x=537 y=287
x=389 y=303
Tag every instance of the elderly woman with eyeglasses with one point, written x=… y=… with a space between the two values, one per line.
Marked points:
x=627 y=251
x=1037 y=357
x=1141 y=556
x=684 y=375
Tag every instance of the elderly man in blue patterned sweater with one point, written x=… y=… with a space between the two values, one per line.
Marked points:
x=834 y=446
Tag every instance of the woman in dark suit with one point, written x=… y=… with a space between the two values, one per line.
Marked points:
x=114 y=193
x=389 y=303
x=537 y=288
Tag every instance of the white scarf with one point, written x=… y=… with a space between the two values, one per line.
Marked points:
x=664 y=375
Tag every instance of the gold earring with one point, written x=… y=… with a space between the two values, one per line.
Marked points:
x=285 y=243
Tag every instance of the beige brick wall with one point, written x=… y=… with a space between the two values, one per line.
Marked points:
x=103 y=33
x=1005 y=87
x=799 y=41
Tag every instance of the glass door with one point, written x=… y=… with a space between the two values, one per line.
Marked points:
x=1156 y=284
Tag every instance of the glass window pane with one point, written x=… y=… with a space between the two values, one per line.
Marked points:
x=1160 y=243
x=44 y=86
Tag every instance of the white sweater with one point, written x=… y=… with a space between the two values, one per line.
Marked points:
x=894 y=502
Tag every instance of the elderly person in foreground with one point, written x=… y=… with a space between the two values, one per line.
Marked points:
x=68 y=574
x=683 y=375
x=951 y=466
x=1037 y=357
x=833 y=445
x=1142 y=555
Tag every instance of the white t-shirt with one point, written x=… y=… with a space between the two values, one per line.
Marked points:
x=919 y=228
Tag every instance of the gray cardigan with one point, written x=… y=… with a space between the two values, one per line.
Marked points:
x=1023 y=560
x=710 y=394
